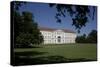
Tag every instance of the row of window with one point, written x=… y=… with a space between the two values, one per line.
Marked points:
x=49 y=37
x=56 y=33
x=58 y=40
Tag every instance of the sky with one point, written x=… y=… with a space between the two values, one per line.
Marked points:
x=45 y=17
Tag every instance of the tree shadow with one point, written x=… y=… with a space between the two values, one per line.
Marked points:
x=24 y=57
x=27 y=58
x=29 y=53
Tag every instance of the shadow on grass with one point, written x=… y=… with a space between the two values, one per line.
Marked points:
x=28 y=53
x=27 y=58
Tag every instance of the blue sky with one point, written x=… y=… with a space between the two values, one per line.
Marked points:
x=45 y=17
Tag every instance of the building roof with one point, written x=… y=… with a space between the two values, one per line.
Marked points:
x=52 y=29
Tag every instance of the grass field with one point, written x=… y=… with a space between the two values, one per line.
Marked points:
x=52 y=53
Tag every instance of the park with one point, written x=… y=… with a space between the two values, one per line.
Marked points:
x=70 y=34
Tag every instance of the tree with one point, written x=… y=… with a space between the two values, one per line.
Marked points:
x=92 y=36
x=25 y=28
x=29 y=32
x=81 y=39
x=80 y=14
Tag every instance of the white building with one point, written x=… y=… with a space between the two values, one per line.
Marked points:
x=57 y=36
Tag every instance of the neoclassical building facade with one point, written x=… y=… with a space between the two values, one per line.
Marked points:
x=57 y=36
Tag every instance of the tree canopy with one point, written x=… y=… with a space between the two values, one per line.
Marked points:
x=25 y=28
x=79 y=13
x=90 y=38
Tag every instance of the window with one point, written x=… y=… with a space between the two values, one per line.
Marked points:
x=59 y=39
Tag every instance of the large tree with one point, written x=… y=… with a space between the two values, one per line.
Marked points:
x=25 y=28
x=79 y=13
x=90 y=38
x=29 y=32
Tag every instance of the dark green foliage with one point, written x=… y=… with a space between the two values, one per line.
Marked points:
x=25 y=28
x=80 y=14
x=28 y=31
x=81 y=39
x=17 y=20
x=90 y=38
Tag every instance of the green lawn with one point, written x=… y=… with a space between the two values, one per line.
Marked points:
x=69 y=51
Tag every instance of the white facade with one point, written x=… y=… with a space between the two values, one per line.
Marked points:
x=58 y=36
